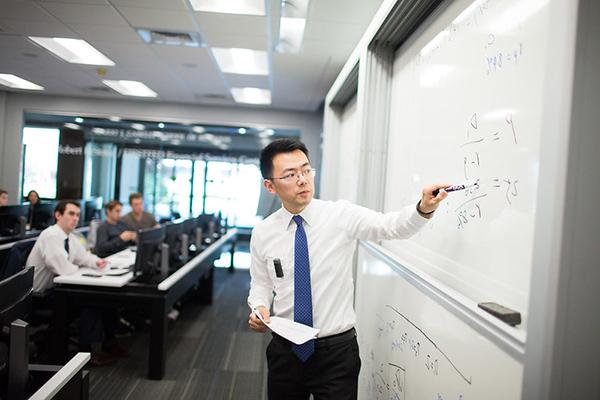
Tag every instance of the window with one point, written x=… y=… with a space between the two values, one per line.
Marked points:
x=40 y=161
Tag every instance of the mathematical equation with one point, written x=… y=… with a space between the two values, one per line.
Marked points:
x=497 y=60
x=407 y=349
x=473 y=160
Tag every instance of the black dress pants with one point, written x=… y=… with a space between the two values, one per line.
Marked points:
x=96 y=325
x=330 y=373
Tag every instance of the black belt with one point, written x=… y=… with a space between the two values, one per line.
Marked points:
x=325 y=341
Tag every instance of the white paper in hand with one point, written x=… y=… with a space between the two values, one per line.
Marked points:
x=293 y=331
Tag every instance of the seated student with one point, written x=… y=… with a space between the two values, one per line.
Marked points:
x=3 y=197
x=57 y=251
x=138 y=218
x=33 y=198
x=113 y=235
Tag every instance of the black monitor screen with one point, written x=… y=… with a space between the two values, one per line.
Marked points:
x=92 y=210
x=43 y=215
x=189 y=227
x=9 y=219
x=148 y=255
x=173 y=231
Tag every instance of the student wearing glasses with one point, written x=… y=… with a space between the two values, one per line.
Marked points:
x=302 y=270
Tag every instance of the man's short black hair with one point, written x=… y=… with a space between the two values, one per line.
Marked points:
x=61 y=206
x=278 y=146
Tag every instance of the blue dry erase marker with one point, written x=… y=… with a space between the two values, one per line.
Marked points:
x=454 y=188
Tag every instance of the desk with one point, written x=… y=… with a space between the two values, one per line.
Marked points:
x=158 y=296
x=124 y=258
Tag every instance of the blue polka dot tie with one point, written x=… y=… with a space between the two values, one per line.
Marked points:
x=303 y=312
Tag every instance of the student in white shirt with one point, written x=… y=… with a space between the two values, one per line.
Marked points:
x=302 y=268
x=58 y=251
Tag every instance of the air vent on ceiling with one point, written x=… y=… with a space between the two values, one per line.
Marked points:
x=189 y=39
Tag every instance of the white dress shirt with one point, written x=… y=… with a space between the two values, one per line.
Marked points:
x=331 y=229
x=50 y=258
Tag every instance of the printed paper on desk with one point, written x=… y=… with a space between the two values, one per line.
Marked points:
x=293 y=331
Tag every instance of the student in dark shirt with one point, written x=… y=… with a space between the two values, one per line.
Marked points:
x=33 y=198
x=113 y=235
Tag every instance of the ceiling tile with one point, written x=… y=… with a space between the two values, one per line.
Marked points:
x=103 y=2
x=161 y=4
x=24 y=11
x=237 y=41
x=333 y=31
x=248 y=81
x=212 y=24
x=119 y=34
x=159 y=19
x=353 y=11
x=180 y=55
x=39 y=28
x=85 y=13
x=124 y=54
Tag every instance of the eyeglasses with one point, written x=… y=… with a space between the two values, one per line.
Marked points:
x=295 y=176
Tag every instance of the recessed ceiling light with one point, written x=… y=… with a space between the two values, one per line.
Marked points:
x=79 y=120
x=291 y=33
x=161 y=125
x=248 y=7
x=16 y=82
x=130 y=88
x=242 y=131
x=251 y=95
x=138 y=127
x=75 y=51
x=242 y=61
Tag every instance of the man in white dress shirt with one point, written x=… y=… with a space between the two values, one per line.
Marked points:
x=302 y=269
x=57 y=251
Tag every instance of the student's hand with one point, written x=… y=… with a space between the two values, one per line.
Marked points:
x=255 y=323
x=429 y=202
x=128 y=236
x=101 y=263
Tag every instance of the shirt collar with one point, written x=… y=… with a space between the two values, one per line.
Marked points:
x=60 y=232
x=307 y=215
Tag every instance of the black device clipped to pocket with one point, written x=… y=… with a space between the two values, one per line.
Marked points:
x=507 y=315
x=278 y=269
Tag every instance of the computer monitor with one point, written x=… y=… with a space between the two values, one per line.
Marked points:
x=13 y=219
x=210 y=226
x=43 y=215
x=92 y=210
x=149 y=259
x=173 y=232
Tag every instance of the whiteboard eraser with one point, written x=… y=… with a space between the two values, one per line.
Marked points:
x=505 y=314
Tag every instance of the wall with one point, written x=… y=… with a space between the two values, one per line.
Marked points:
x=14 y=105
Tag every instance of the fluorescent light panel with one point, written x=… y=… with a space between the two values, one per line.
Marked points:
x=251 y=95
x=131 y=88
x=242 y=61
x=247 y=7
x=75 y=51
x=15 y=82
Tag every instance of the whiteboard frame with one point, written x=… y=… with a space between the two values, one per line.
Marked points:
x=507 y=338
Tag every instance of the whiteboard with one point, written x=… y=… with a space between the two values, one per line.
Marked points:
x=348 y=153
x=466 y=106
x=413 y=349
